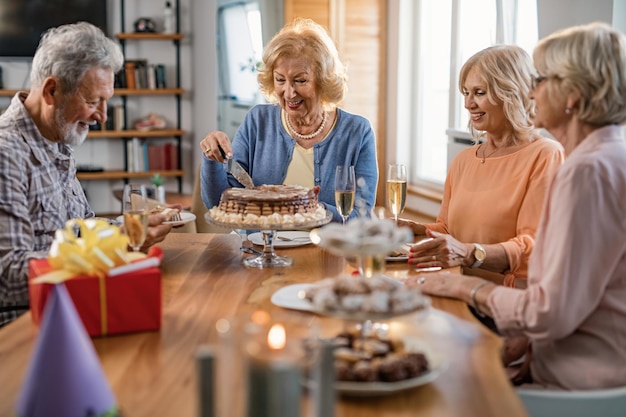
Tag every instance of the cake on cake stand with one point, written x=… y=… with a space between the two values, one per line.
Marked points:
x=269 y=258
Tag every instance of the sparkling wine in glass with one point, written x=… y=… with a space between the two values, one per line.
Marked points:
x=135 y=210
x=345 y=187
x=396 y=189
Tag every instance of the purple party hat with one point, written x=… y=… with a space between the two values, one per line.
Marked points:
x=64 y=377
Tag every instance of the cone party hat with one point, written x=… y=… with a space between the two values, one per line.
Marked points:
x=64 y=377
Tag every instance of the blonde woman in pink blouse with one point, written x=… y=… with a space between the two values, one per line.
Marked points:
x=494 y=191
x=574 y=309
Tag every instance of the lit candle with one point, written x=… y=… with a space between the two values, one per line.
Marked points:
x=274 y=378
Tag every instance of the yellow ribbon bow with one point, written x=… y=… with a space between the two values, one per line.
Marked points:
x=100 y=247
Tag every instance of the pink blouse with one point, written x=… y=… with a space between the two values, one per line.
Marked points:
x=574 y=309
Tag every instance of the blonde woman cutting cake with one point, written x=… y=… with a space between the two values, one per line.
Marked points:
x=302 y=136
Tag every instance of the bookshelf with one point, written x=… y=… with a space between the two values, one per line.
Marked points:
x=127 y=134
x=129 y=97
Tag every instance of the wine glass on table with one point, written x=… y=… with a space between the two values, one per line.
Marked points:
x=345 y=187
x=135 y=211
x=396 y=189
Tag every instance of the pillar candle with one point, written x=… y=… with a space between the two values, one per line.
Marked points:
x=273 y=378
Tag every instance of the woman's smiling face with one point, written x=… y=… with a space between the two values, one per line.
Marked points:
x=296 y=87
x=485 y=115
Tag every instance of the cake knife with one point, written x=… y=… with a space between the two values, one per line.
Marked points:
x=237 y=170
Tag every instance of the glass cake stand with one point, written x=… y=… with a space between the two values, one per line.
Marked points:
x=268 y=258
x=369 y=241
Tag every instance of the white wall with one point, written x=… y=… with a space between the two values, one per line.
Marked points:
x=559 y=14
x=204 y=74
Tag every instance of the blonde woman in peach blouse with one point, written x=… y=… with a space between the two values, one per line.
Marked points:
x=493 y=191
x=574 y=308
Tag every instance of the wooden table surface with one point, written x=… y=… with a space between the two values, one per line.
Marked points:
x=154 y=373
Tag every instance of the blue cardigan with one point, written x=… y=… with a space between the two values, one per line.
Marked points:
x=264 y=149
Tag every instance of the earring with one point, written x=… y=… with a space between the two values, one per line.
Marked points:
x=568 y=110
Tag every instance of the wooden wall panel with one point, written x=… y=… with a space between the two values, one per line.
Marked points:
x=358 y=27
x=317 y=10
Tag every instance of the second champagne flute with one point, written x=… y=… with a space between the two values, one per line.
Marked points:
x=135 y=210
x=345 y=187
x=396 y=189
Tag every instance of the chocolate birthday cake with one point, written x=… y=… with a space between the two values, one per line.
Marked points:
x=285 y=205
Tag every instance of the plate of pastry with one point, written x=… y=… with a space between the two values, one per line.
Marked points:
x=354 y=388
x=353 y=298
x=372 y=364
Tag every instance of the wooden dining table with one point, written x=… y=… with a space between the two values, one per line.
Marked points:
x=203 y=280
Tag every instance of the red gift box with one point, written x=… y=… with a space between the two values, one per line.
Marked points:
x=130 y=302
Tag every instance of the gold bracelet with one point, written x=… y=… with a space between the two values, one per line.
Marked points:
x=473 y=297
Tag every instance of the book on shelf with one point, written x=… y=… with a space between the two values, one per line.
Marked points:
x=129 y=71
x=171 y=156
x=139 y=74
x=145 y=156
x=151 y=76
x=134 y=155
x=118 y=117
x=161 y=79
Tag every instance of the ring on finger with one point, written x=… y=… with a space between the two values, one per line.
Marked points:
x=207 y=151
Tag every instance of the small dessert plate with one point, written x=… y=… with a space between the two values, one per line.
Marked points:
x=185 y=217
x=284 y=239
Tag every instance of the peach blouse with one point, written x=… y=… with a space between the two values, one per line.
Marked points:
x=500 y=200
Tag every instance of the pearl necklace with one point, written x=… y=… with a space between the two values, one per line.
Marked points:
x=310 y=135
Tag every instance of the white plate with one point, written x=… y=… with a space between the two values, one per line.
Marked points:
x=185 y=217
x=298 y=238
x=403 y=257
x=292 y=297
x=287 y=297
x=437 y=366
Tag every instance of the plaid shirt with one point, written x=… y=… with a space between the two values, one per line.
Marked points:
x=39 y=192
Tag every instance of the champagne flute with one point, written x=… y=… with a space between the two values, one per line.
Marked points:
x=396 y=189
x=135 y=210
x=345 y=187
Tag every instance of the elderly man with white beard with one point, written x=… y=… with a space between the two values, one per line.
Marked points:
x=71 y=80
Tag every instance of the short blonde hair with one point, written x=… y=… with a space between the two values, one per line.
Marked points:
x=507 y=70
x=307 y=39
x=590 y=60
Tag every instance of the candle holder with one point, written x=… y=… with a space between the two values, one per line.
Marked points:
x=262 y=361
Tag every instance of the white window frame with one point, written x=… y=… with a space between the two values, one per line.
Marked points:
x=404 y=114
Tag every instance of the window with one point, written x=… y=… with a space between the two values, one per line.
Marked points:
x=435 y=39
x=240 y=48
